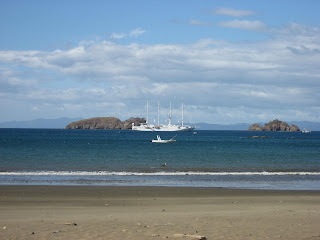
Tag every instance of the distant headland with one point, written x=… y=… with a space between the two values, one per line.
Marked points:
x=61 y=123
x=105 y=123
x=113 y=123
x=274 y=125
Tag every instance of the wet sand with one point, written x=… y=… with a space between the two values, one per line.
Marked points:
x=61 y=212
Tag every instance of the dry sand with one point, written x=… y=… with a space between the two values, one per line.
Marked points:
x=49 y=212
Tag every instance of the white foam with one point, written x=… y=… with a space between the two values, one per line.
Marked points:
x=106 y=173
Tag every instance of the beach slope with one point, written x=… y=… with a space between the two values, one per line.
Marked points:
x=62 y=212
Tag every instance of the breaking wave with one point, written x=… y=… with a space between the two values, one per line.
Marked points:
x=106 y=173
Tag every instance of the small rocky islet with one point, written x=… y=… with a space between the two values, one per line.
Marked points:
x=275 y=125
x=105 y=123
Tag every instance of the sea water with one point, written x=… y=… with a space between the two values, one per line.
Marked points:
x=234 y=159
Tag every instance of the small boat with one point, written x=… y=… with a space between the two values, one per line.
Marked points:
x=306 y=131
x=159 y=140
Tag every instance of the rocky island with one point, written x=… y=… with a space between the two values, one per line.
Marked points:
x=105 y=123
x=274 y=125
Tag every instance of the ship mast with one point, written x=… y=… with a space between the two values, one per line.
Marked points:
x=182 y=115
x=147 y=112
x=170 y=115
x=158 y=113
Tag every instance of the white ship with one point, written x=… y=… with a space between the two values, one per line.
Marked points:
x=162 y=128
x=306 y=131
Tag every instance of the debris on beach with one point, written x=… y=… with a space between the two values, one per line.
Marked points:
x=74 y=224
x=180 y=235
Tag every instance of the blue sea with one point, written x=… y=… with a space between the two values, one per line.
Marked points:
x=230 y=159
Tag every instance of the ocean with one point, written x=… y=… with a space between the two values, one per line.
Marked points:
x=231 y=159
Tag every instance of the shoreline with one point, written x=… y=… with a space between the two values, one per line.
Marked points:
x=130 y=212
x=263 y=181
x=164 y=188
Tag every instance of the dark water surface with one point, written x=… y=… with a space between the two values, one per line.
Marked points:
x=280 y=160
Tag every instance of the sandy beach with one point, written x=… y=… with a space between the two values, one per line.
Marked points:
x=62 y=212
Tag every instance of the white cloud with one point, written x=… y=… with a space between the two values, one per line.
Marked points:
x=136 y=32
x=245 y=25
x=270 y=76
x=199 y=23
x=233 y=12
x=117 y=35
x=132 y=34
x=35 y=108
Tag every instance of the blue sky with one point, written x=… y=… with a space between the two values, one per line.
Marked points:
x=228 y=61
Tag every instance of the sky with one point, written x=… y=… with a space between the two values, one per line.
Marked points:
x=228 y=61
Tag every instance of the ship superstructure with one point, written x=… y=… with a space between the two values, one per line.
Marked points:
x=163 y=127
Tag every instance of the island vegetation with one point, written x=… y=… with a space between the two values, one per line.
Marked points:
x=275 y=125
x=105 y=123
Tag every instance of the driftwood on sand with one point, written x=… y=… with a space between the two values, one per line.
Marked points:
x=189 y=236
